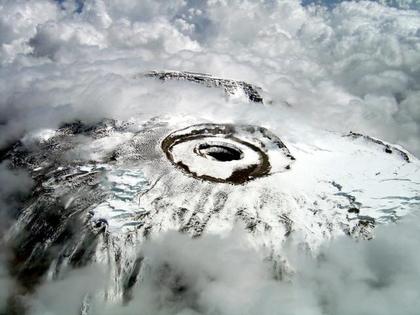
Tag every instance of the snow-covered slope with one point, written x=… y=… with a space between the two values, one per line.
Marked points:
x=102 y=189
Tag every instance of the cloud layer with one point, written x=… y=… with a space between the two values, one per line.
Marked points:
x=333 y=65
x=226 y=275
x=353 y=66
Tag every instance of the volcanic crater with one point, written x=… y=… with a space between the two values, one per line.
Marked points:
x=226 y=153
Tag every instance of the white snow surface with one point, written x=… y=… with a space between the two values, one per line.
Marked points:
x=332 y=174
x=121 y=208
x=204 y=166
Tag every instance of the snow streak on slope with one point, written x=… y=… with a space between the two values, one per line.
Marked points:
x=133 y=193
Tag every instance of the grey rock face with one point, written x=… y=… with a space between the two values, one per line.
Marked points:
x=230 y=86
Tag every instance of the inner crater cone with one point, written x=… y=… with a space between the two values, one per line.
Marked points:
x=226 y=153
x=219 y=151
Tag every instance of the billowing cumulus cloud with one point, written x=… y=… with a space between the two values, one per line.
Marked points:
x=333 y=65
x=226 y=275
x=354 y=65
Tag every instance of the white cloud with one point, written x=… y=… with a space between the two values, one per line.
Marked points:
x=15 y=185
x=355 y=66
x=358 y=59
x=226 y=275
